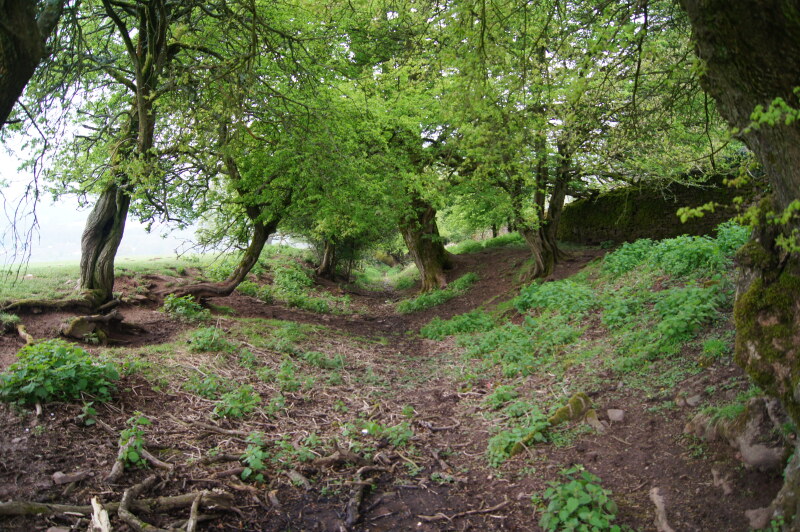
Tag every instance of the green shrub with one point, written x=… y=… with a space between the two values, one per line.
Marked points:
x=55 y=370
x=209 y=339
x=566 y=296
x=322 y=361
x=627 y=257
x=185 y=308
x=683 y=311
x=466 y=246
x=237 y=403
x=500 y=396
x=689 y=255
x=731 y=236
x=578 y=503
x=522 y=349
x=210 y=386
x=131 y=440
x=437 y=297
x=475 y=321
x=289 y=276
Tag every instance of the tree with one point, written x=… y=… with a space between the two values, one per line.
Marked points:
x=23 y=45
x=750 y=59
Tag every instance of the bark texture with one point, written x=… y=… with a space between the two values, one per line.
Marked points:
x=99 y=244
x=23 y=38
x=751 y=51
x=327 y=265
x=421 y=235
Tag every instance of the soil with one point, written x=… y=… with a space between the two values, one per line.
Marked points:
x=440 y=480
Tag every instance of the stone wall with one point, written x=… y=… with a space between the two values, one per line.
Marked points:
x=625 y=214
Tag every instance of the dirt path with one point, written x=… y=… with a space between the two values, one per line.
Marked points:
x=385 y=437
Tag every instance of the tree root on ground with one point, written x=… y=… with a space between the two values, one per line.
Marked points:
x=352 y=511
x=442 y=517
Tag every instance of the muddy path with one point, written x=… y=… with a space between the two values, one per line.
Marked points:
x=376 y=431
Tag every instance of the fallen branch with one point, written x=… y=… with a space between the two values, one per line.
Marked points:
x=211 y=499
x=340 y=457
x=119 y=464
x=662 y=525
x=352 y=512
x=155 y=462
x=191 y=524
x=131 y=494
x=442 y=517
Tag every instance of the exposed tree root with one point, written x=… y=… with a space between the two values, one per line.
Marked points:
x=442 y=517
x=24 y=334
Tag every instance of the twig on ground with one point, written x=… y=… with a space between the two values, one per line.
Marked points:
x=442 y=517
x=352 y=513
x=191 y=524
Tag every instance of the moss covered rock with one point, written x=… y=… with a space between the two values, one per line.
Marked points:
x=574 y=410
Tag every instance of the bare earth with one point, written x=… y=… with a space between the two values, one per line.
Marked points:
x=439 y=481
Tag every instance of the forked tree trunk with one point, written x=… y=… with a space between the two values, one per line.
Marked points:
x=421 y=235
x=327 y=266
x=22 y=46
x=99 y=244
x=751 y=55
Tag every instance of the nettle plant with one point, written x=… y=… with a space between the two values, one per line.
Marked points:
x=55 y=370
x=578 y=503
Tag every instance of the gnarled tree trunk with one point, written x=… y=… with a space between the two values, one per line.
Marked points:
x=99 y=244
x=421 y=235
x=751 y=55
x=22 y=46
x=261 y=233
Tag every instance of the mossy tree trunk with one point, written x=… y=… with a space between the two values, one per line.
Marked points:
x=421 y=235
x=22 y=46
x=751 y=55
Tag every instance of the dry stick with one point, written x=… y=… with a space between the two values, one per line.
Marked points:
x=191 y=524
x=358 y=494
x=155 y=462
x=441 y=517
x=100 y=520
x=430 y=426
x=119 y=464
x=221 y=501
x=127 y=497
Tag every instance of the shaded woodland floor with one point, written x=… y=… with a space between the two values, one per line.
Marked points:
x=417 y=433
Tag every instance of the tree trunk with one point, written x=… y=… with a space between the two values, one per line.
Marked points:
x=22 y=46
x=261 y=233
x=327 y=266
x=421 y=235
x=99 y=244
x=541 y=240
x=751 y=55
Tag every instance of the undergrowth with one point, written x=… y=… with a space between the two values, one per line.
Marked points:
x=437 y=297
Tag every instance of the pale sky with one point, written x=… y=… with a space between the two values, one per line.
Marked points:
x=58 y=237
